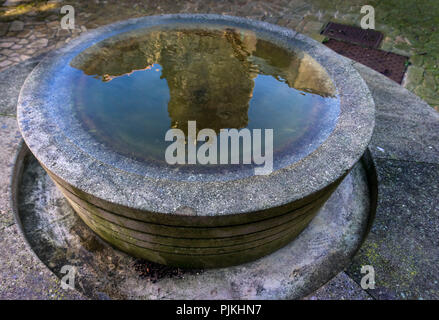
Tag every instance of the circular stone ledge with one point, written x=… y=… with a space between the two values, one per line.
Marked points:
x=321 y=251
x=165 y=196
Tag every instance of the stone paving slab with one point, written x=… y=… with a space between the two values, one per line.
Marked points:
x=403 y=244
x=59 y=237
x=406 y=127
x=22 y=275
x=11 y=81
x=341 y=287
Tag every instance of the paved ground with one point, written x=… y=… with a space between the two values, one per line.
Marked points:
x=402 y=245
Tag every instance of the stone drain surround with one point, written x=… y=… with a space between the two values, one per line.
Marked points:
x=194 y=223
x=404 y=149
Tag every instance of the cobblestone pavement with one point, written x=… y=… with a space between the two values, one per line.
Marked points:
x=31 y=27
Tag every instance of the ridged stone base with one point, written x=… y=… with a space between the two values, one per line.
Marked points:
x=194 y=242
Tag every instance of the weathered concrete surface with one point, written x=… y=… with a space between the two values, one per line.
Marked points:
x=59 y=237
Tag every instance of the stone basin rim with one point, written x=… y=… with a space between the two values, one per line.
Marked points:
x=341 y=150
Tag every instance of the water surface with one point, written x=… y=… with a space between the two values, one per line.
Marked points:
x=131 y=88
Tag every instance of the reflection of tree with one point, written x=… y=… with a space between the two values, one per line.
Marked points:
x=209 y=73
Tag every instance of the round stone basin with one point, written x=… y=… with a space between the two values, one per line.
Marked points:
x=96 y=112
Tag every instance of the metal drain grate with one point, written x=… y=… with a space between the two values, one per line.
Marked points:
x=369 y=38
x=390 y=64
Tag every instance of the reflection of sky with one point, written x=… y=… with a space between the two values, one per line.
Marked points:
x=129 y=108
x=275 y=105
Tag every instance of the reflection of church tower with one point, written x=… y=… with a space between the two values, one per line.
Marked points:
x=209 y=72
x=209 y=80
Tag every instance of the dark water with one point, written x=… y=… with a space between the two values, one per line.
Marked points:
x=133 y=87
